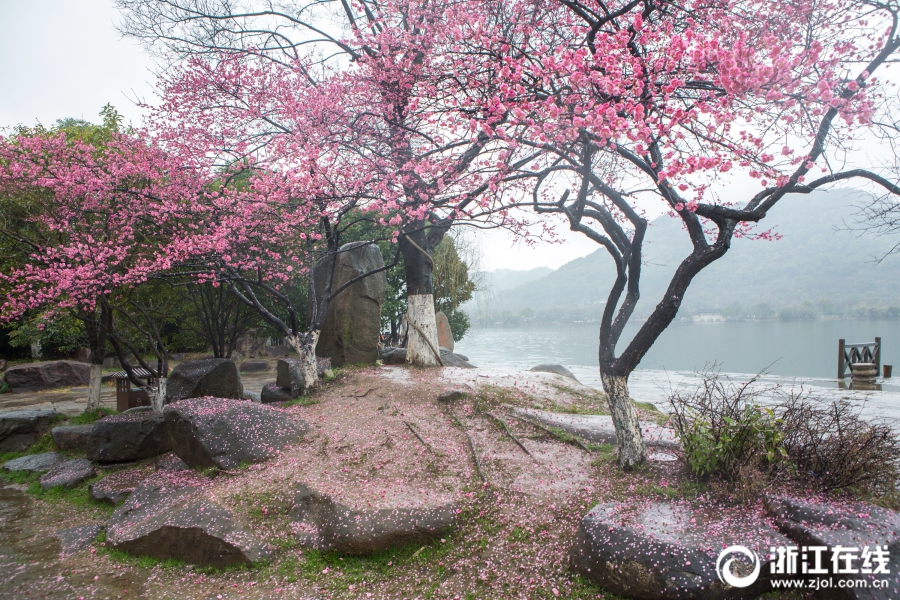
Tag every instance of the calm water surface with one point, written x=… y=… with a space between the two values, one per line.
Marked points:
x=794 y=354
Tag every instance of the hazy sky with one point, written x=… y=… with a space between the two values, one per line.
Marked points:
x=64 y=58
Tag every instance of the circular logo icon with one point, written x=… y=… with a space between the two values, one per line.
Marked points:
x=724 y=569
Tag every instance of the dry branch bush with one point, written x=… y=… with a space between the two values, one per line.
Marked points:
x=746 y=435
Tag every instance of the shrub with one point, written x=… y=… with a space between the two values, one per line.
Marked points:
x=741 y=433
x=723 y=429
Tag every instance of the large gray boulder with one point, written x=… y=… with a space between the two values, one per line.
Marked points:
x=34 y=463
x=663 y=550
x=216 y=377
x=848 y=525
x=183 y=524
x=127 y=437
x=35 y=377
x=353 y=321
x=558 y=369
x=325 y=524
x=290 y=376
x=21 y=428
x=215 y=432
x=68 y=474
x=72 y=437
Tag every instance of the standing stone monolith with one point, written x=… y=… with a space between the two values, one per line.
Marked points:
x=445 y=336
x=353 y=321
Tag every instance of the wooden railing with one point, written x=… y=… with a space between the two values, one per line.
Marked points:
x=849 y=354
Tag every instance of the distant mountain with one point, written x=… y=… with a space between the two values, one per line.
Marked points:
x=507 y=279
x=817 y=261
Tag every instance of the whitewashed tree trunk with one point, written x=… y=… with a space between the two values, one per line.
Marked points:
x=422 y=350
x=307 y=353
x=93 y=399
x=625 y=420
x=158 y=397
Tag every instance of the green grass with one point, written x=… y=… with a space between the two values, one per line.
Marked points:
x=143 y=562
x=301 y=401
x=76 y=496
x=340 y=571
x=91 y=416
x=45 y=444
x=687 y=490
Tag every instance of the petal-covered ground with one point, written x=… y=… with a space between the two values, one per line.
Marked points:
x=378 y=438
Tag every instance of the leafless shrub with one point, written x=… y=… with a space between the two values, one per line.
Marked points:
x=832 y=446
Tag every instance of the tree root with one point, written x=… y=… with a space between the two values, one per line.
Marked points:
x=510 y=433
x=475 y=455
x=569 y=439
x=419 y=437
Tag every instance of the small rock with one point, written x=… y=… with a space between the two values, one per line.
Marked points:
x=78 y=538
x=21 y=428
x=50 y=375
x=68 y=474
x=254 y=366
x=184 y=524
x=327 y=525
x=290 y=376
x=116 y=487
x=451 y=395
x=455 y=360
x=128 y=437
x=329 y=374
x=393 y=356
x=34 y=463
x=444 y=351
x=170 y=462
x=323 y=365
x=558 y=369
x=271 y=393
x=217 y=377
x=72 y=437
x=277 y=351
x=137 y=409
x=216 y=432
x=252 y=396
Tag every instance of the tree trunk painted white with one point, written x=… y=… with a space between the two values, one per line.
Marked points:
x=307 y=353
x=625 y=420
x=93 y=399
x=421 y=349
x=158 y=397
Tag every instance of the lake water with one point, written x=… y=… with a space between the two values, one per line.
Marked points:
x=795 y=353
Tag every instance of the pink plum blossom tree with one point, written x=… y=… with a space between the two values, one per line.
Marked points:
x=636 y=102
x=417 y=119
x=95 y=216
